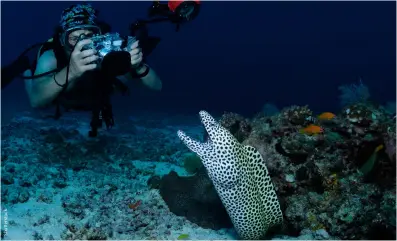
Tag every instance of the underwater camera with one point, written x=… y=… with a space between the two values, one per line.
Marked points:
x=113 y=52
x=106 y=43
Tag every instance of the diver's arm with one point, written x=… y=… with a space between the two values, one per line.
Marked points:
x=151 y=80
x=42 y=91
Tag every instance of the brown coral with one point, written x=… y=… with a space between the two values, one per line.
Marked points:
x=363 y=114
x=239 y=126
x=297 y=115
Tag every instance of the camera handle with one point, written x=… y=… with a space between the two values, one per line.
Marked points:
x=142 y=23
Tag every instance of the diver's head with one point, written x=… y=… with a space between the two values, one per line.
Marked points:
x=76 y=20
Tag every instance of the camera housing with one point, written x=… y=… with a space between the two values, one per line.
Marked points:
x=113 y=51
x=109 y=42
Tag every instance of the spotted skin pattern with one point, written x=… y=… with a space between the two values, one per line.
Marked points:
x=240 y=177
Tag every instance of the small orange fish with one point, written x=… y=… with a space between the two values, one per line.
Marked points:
x=326 y=116
x=312 y=130
x=135 y=205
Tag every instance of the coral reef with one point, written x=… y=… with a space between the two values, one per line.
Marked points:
x=335 y=177
x=239 y=126
x=317 y=176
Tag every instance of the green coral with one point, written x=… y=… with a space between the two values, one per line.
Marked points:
x=313 y=223
x=332 y=137
x=192 y=162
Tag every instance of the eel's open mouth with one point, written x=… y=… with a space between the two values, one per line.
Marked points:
x=206 y=136
x=207 y=123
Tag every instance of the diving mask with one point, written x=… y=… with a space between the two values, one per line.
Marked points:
x=70 y=37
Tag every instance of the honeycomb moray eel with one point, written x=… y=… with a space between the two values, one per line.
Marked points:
x=240 y=177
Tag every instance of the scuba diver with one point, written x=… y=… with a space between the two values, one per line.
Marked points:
x=71 y=75
x=77 y=20
x=80 y=71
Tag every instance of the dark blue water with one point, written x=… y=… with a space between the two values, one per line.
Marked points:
x=237 y=55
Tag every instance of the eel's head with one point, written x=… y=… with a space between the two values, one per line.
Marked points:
x=219 y=153
x=219 y=138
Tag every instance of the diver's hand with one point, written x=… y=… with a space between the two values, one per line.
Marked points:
x=82 y=60
x=136 y=55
